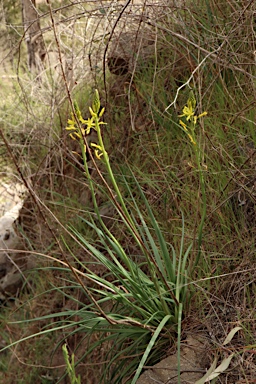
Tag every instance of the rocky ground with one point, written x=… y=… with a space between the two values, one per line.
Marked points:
x=11 y=261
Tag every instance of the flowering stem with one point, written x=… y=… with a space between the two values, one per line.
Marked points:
x=95 y=204
x=111 y=175
x=127 y=218
x=203 y=213
x=188 y=112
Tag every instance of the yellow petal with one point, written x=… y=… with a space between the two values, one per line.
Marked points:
x=72 y=136
x=76 y=153
x=191 y=139
x=77 y=135
x=101 y=112
x=96 y=146
x=97 y=154
x=202 y=114
x=83 y=121
x=183 y=125
x=92 y=113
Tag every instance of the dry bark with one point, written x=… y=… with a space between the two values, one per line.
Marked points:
x=33 y=36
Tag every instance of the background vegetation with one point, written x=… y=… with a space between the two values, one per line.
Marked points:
x=207 y=46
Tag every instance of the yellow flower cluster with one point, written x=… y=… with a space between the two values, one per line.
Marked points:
x=81 y=128
x=189 y=113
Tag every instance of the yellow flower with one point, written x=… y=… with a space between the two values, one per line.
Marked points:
x=89 y=125
x=94 y=114
x=191 y=139
x=199 y=116
x=77 y=134
x=77 y=154
x=71 y=124
x=183 y=125
x=102 y=112
x=97 y=148
x=72 y=136
x=202 y=114
x=189 y=114
x=188 y=111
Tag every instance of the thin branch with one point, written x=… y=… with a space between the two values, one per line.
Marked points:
x=191 y=76
x=107 y=45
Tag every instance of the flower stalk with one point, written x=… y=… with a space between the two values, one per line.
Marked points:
x=189 y=127
x=80 y=133
x=98 y=152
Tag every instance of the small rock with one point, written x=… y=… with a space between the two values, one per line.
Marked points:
x=12 y=263
x=192 y=365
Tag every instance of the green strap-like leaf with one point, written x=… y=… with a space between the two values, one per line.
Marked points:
x=150 y=346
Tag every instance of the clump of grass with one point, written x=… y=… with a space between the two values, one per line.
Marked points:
x=146 y=299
